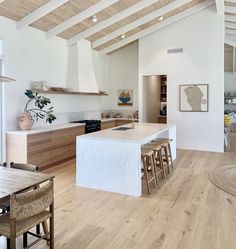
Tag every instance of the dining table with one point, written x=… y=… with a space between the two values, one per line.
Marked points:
x=14 y=181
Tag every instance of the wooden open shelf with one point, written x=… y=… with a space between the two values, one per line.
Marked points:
x=71 y=93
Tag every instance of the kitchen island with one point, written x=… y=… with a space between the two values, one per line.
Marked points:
x=110 y=160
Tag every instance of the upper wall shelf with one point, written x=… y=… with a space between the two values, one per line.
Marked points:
x=71 y=93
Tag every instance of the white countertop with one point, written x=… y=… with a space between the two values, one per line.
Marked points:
x=45 y=128
x=141 y=133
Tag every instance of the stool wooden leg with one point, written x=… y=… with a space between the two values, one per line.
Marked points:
x=161 y=164
x=167 y=159
x=171 y=160
x=154 y=172
x=146 y=173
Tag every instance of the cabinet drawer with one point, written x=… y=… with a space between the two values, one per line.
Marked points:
x=39 y=142
x=60 y=154
x=108 y=124
x=40 y=159
x=65 y=136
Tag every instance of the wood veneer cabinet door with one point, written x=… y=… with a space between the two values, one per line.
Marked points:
x=123 y=122
x=108 y=124
x=38 y=142
x=40 y=159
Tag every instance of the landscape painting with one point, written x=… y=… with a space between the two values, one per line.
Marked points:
x=193 y=98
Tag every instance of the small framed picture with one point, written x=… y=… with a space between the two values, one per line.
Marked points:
x=125 y=97
x=193 y=98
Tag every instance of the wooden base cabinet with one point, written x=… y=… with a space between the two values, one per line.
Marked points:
x=43 y=149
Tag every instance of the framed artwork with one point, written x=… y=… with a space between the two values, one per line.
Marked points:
x=193 y=98
x=125 y=97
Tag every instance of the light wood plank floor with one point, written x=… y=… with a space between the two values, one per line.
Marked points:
x=186 y=212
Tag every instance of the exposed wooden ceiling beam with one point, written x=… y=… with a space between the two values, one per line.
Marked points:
x=230 y=31
x=220 y=6
x=158 y=26
x=230 y=9
x=141 y=21
x=40 y=12
x=230 y=37
x=80 y=17
x=230 y=25
x=113 y=19
x=229 y=18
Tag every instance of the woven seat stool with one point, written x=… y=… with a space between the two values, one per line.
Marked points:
x=147 y=157
x=158 y=160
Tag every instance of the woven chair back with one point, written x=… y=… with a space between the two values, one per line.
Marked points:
x=25 y=205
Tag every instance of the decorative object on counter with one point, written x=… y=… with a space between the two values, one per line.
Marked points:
x=102 y=92
x=193 y=98
x=30 y=115
x=227 y=120
x=125 y=97
x=136 y=115
x=39 y=85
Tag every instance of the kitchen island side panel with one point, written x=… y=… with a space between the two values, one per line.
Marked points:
x=109 y=165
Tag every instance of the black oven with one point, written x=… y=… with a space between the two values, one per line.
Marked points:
x=90 y=125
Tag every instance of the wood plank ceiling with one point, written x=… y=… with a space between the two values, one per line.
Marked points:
x=119 y=22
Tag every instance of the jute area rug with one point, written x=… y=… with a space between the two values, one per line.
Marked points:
x=224 y=177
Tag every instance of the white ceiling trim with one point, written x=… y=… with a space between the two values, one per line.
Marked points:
x=229 y=18
x=40 y=12
x=159 y=26
x=230 y=9
x=113 y=19
x=230 y=25
x=80 y=17
x=141 y=21
x=230 y=31
x=220 y=6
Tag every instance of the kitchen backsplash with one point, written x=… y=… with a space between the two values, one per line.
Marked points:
x=68 y=117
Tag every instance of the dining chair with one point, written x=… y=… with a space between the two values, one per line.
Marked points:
x=27 y=210
x=6 y=205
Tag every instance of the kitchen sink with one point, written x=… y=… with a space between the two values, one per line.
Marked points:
x=122 y=128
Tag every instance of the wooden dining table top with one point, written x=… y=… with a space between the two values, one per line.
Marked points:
x=13 y=181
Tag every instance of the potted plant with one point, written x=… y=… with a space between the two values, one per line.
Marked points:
x=34 y=112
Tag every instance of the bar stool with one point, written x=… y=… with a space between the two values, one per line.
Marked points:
x=149 y=176
x=168 y=141
x=165 y=155
x=158 y=160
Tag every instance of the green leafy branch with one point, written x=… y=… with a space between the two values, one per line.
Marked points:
x=40 y=103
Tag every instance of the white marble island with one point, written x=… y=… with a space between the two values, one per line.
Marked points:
x=110 y=159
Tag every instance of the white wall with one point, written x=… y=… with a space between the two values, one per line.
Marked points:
x=230 y=82
x=122 y=73
x=202 y=38
x=30 y=57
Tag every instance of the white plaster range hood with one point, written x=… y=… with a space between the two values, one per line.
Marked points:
x=81 y=72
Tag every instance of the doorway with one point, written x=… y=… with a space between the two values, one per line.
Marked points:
x=154 y=99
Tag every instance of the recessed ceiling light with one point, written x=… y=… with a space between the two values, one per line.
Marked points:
x=94 y=18
x=161 y=18
x=123 y=36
